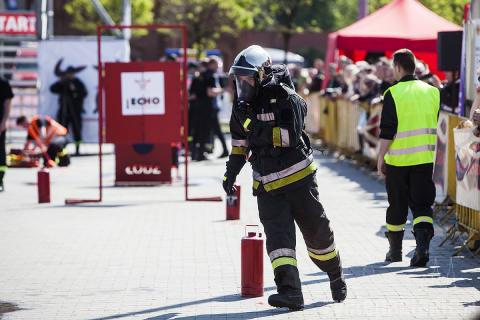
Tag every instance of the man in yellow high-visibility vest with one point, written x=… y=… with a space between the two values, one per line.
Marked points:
x=406 y=156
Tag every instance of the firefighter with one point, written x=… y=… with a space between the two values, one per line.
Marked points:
x=406 y=156
x=49 y=137
x=268 y=121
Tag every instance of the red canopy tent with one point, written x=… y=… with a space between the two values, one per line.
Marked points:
x=400 y=24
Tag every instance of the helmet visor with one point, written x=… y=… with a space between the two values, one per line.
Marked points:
x=246 y=88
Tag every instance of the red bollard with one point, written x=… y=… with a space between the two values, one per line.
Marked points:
x=252 y=263
x=233 y=205
x=43 y=185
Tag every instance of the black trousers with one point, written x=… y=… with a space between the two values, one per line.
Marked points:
x=3 y=155
x=56 y=145
x=217 y=131
x=410 y=187
x=71 y=118
x=278 y=214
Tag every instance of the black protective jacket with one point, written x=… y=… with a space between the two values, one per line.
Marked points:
x=269 y=133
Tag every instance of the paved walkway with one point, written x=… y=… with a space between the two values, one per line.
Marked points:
x=144 y=253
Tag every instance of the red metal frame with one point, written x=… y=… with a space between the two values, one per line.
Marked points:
x=100 y=29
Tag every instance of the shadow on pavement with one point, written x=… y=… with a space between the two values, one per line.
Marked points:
x=6 y=307
x=352 y=173
x=242 y=315
x=377 y=268
x=226 y=298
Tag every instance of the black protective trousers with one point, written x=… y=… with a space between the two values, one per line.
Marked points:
x=278 y=214
x=410 y=187
x=3 y=155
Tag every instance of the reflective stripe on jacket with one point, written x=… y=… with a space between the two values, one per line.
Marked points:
x=417 y=105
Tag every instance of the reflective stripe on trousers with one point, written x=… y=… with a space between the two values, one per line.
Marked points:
x=282 y=252
x=287 y=176
x=420 y=219
x=239 y=143
x=239 y=151
x=395 y=228
x=323 y=257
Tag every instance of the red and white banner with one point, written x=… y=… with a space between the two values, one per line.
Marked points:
x=467 y=147
x=440 y=171
x=18 y=23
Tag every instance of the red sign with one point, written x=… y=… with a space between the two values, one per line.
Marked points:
x=17 y=23
x=143 y=102
x=142 y=164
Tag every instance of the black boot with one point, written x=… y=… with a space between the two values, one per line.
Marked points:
x=421 y=255
x=338 y=286
x=292 y=301
x=224 y=154
x=77 y=148
x=395 y=239
x=2 y=188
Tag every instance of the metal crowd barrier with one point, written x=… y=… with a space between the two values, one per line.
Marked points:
x=336 y=122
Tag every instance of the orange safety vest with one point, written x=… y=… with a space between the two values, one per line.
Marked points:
x=53 y=129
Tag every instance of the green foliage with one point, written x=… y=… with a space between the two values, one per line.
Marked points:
x=289 y=17
x=85 y=18
x=337 y=14
x=207 y=19
x=449 y=9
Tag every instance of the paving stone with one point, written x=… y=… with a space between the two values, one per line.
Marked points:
x=145 y=253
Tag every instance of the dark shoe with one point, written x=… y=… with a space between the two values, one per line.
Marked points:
x=421 y=255
x=395 y=239
x=200 y=158
x=223 y=155
x=2 y=188
x=338 y=287
x=291 y=301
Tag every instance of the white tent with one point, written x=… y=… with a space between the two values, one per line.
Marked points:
x=278 y=56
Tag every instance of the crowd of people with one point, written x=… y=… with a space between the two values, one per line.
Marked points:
x=361 y=81
x=367 y=81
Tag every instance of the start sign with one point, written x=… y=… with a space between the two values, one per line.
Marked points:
x=17 y=23
x=143 y=103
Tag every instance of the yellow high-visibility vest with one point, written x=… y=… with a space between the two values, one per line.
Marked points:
x=417 y=104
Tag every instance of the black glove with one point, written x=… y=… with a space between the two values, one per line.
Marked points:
x=228 y=181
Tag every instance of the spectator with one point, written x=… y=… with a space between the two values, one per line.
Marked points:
x=214 y=91
x=317 y=76
x=450 y=91
x=423 y=73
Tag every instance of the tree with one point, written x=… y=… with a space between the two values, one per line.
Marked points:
x=207 y=19
x=449 y=9
x=85 y=18
x=288 y=18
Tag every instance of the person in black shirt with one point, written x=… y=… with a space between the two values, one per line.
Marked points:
x=71 y=94
x=317 y=80
x=199 y=113
x=214 y=90
x=6 y=95
x=449 y=92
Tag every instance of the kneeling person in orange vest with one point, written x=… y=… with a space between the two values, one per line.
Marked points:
x=49 y=137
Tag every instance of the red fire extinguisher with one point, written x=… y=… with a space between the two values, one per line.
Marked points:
x=43 y=185
x=233 y=205
x=252 y=263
